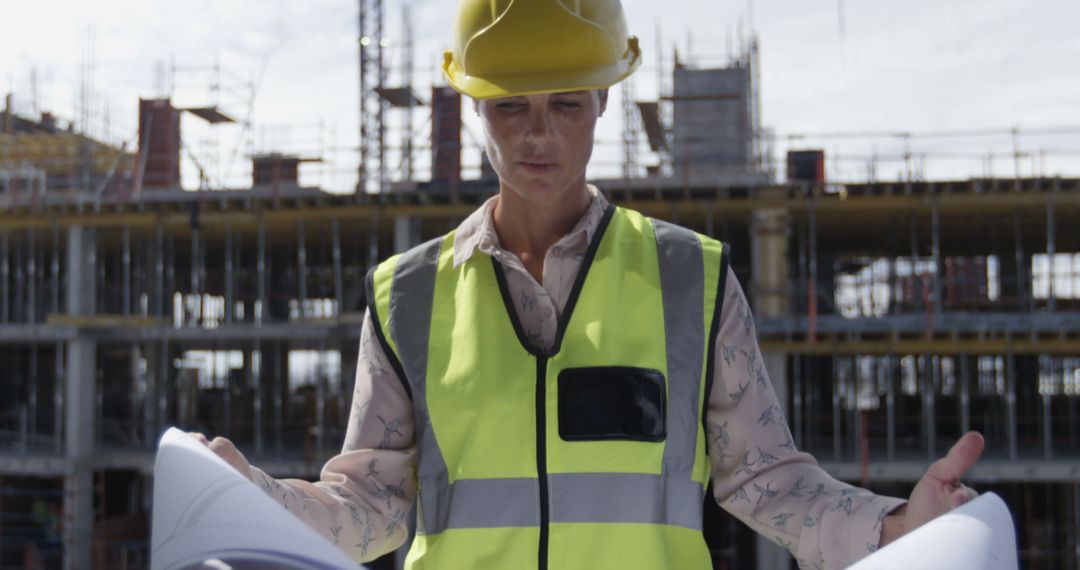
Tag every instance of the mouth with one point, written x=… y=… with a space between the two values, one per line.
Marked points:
x=535 y=167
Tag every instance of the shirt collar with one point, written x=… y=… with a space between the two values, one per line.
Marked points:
x=477 y=232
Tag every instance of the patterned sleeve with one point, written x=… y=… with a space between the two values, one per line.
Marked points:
x=364 y=494
x=760 y=477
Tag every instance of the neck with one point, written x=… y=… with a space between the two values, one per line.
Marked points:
x=528 y=229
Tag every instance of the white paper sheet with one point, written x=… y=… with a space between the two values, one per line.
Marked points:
x=976 y=536
x=207 y=515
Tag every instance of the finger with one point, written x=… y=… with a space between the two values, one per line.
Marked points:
x=199 y=437
x=964 y=453
x=961 y=495
x=223 y=447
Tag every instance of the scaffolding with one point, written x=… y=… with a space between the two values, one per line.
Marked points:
x=241 y=315
x=892 y=315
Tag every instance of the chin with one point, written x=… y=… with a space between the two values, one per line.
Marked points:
x=538 y=186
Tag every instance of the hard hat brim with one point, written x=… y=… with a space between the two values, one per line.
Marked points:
x=515 y=85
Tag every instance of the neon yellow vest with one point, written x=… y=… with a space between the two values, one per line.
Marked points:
x=590 y=455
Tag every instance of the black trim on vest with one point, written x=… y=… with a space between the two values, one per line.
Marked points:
x=541 y=460
x=508 y=305
x=714 y=331
x=369 y=286
x=579 y=280
x=571 y=301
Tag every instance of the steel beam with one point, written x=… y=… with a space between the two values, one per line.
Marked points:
x=5 y=276
x=301 y=269
x=229 y=302
x=1010 y=405
x=339 y=281
x=126 y=262
x=1051 y=301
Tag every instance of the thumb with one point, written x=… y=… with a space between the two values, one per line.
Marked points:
x=963 y=454
x=227 y=451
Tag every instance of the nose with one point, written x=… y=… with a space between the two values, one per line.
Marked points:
x=539 y=122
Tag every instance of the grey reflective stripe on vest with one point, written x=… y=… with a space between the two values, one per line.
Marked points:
x=479 y=503
x=625 y=498
x=575 y=498
x=682 y=280
x=412 y=295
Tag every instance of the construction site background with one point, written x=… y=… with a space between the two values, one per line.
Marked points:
x=163 y=279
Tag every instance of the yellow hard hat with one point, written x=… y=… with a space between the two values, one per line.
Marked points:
x=505 y=48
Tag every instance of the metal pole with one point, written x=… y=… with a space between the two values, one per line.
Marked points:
x=102 y=286
x=1076 y=522
x=58 y=399
x=320 y=400
x=916 y=283
x=935 y=215
x=1050 y=253
x=171 y=288
x=203 y=309
x=797 y=397
x=159 y=273
x=196 y=297
x=19 y=308
x=31 y=277
x=301 y=269
x=1010 y=404
x=1023 y=285
x=890 y=304
x=890 y=407
x=127 y=271
x=228 y=391
x=228 y=272
x=260 y=314
x=339 y=286
x=137 y=382
x=5 y=277
x=931 y=382
x=162 y=383
x=1055 y=373
x=255 y=369
x=278 y=403
x=1047 y=448
x=965 y=395
x=149 y=425
x=55 y=270
x=811 y=294
x=33 y=395
x=836 y=410
x=373 y=238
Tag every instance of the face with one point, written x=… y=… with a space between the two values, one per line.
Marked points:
x=540 y=145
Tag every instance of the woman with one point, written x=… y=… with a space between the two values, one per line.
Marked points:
x=562 y=378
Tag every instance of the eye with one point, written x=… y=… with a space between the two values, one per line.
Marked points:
x=510 y=105
x=567 y=104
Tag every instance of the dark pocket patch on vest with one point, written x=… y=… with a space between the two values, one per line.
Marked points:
x=612 y=402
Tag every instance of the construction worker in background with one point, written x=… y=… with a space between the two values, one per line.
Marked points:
x=559 y=379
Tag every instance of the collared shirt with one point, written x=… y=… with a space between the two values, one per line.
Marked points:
x=364 y=493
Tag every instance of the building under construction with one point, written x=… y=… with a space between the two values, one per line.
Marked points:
x=893 y=316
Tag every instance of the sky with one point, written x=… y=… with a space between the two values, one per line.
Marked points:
x=923 y=67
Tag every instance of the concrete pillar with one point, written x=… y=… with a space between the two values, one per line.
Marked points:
x=770 y=285
x=406 y=233
x=79 y=399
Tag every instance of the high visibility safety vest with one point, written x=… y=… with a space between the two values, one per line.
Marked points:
x=588 y=455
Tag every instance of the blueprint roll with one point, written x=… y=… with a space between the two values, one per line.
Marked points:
x=207 y=516
x=976 y=536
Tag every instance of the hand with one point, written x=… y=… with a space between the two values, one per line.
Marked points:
x=939 y=491
x=227 y=451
